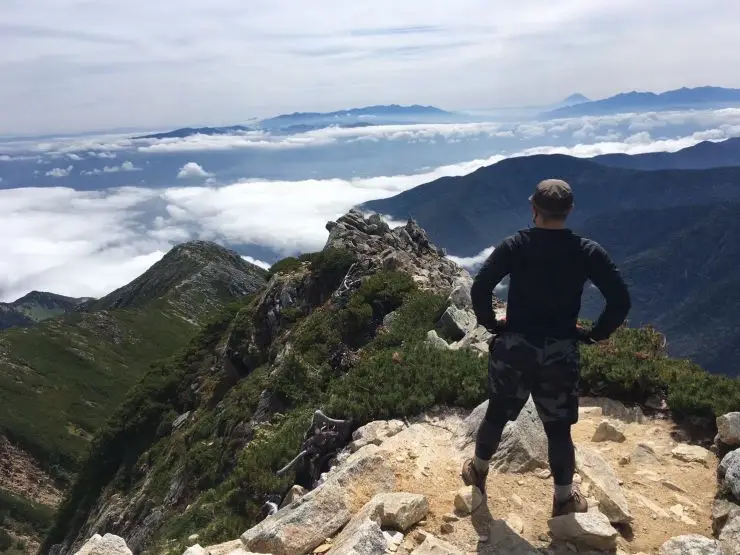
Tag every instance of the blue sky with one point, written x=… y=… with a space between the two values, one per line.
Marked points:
x=76 y=65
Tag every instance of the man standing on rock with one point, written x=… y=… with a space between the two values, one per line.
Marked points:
x=535 y=351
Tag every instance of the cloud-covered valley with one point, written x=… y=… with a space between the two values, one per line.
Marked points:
x=83 y=215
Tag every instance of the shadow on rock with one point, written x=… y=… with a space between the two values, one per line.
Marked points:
x=496 y=536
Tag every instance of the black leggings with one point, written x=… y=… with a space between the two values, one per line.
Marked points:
x=560 y=448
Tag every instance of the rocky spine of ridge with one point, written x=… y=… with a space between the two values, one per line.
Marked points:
x=35 y=307
x=395 y=487
x=188 y=277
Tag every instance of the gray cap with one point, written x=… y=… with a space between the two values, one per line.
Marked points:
x=553 y=196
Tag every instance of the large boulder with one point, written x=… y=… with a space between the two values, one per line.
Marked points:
x=605 y=484
x=729 y=537
x=591 y=529
x=690 y=544
x=460 y=296
x=456 y=323
x=728 y=429
x=523 y=444
x=729 y=472
x=105 y=545
x=306 y=523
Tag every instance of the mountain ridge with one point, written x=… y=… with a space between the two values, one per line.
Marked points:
x=677 y=99
x=36 y=306
x=60 y=378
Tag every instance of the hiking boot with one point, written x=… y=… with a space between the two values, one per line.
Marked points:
x=471 y=476
x=574 y=504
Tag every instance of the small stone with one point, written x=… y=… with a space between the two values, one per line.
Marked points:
x=672 y=486
x=692 y=454
x=447 y=528
x=544 y=473
x=517 y=500
x=645 y=454
x=590 y=412
x=323 y=548
x=450 y=518
x=468 y=499
x=625 y=460
x=577 y=478
x=609 y=430
x=520 y=482
x=515 y=522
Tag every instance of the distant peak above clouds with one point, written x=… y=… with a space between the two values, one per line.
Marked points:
x=679 y=99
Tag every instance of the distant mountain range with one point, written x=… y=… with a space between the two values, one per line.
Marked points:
x=679 y=99
x=35 y=307
x=301 y=122
x=673 y=231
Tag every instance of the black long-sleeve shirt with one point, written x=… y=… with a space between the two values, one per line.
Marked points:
x=548 y=269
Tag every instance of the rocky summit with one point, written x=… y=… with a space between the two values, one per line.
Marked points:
x=331 y=413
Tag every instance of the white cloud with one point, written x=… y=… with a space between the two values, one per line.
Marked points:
x=104 y=239
x=124 y=167
x=59 y=172
x=75 y=157
x=192 y=170
x=471 y=263
x=262 y=264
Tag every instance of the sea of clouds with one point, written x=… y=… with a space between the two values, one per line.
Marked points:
x=57 y=236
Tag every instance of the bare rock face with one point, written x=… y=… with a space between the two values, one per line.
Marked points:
x=105 y=545
x=728 y=429
x=606 y=489
x=305 y=524
x=375 y=433
x=690 y=544
x=523 y=444
x=591 y=529
x=729 y=472
x=406 y=248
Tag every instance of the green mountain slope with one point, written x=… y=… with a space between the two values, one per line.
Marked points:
x=60 y=379
x=35 y=307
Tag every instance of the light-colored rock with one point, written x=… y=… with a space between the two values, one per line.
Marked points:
x=477 y=336
x=362 y=536
x=729 y=472
x=728 y=429
x=644 y=453
x=649 y=504
x=690 y=544
x=590 y=412
x=294 y=494
x=318 y=515
x=226 y=548
x=436 y=341
x=691 y=454
x=446 y=528
x=456 y=323
x=523 y=445
x=614 y=409
x=195 y=550
x=591 y=529
x=672 y=486
x=515 y=522
x=609 y=430
x=399 y=511
x=105 y=545
x=393 y=538
x=468 y=499
x=722 y=511
x=605 y=484
x=729 y=538
x=518 y=501
x=375 y=433
x=193 y=538
x=460 y=296
x=435 y=546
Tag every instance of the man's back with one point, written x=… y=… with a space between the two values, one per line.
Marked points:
x=548 y=269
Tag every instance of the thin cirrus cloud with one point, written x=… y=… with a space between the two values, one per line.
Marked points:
x=104 y=239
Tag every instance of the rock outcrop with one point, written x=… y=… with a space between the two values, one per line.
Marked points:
x=728 y=429
x=105 y=545
x=690 y=544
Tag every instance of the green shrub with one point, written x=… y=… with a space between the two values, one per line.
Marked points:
x=24 y=510
x=5 y=540
x=284 y=266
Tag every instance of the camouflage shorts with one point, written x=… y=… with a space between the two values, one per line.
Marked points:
x=548 y=369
